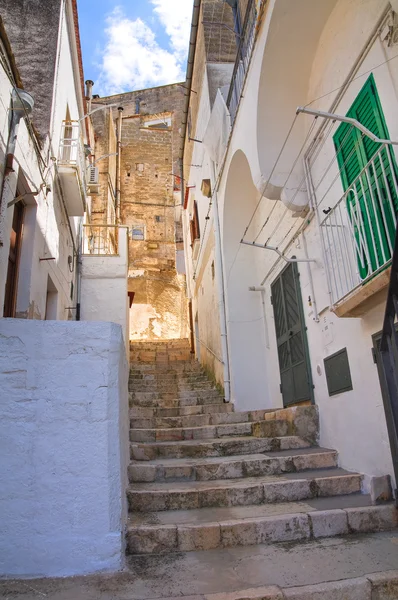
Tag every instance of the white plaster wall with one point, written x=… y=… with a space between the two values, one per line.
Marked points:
x=352 y=422
x=104 y=287
x=64 y=447
x=46 y=232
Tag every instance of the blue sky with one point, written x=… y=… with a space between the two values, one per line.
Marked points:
x=133 y=44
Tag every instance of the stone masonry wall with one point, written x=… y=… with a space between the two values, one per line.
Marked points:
x=149 y=186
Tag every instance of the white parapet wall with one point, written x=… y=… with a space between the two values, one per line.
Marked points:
x=104 y=287
x=63 y=447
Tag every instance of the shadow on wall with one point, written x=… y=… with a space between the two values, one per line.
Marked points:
x=246 y=338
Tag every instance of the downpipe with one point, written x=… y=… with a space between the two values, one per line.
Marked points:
x=221 y=290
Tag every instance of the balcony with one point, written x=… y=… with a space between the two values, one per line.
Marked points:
x=72 y=168
x=358 y=235
x=100 y=240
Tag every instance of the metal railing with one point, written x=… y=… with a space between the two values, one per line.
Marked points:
x=71 y=149
x=387 y=363
x=245 y=48
x=100 y=240
x=359 y=230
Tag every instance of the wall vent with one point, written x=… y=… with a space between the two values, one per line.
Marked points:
x=93 y=180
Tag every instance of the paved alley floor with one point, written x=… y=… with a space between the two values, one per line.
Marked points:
x=197 y=574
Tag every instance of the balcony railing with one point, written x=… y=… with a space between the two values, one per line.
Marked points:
x=71 y=149
x=359 y=231
x=245 y=48
x=100 y=240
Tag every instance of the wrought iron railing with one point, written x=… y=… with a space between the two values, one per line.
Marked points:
x=245 y=48
x=71 y=149
x=359 y=230
x=100 y=240
x=387 y=363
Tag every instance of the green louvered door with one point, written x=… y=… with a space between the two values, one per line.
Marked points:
x=296 y=382
x=371 y=195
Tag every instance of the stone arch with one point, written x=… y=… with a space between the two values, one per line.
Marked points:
x=242 y=265
x=283 y=85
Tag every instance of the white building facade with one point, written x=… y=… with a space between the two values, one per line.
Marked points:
x=289 y=274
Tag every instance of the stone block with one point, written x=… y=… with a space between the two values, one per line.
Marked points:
x=199 y=537
x=347 y=589
x=384 y=585
x=142 y=435
x=380 y=489
x=239 y=533
x=372 y=518
x=336 y=486
x=221 y=470
x=146 y=501
x=285 y=528
x=328 y=523
x=177 y=472
x=213 y=497
x=142 y=473
x=260 y=593
x=245 y=495
x=287 y=491
x=140 y=452
x=182 y=500
x=152 y=539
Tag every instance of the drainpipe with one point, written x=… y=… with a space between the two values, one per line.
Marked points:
x=89 y=93
x=118 y=162
x=221 y=289
x=262 y=291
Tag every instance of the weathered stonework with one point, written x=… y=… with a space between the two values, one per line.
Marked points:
x=150 y=192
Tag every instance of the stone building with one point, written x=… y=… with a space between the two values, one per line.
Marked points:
x=149 y=185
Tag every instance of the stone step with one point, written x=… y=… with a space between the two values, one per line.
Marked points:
x=232 y=467
x=168 y=377
x=191 y=367
x=197 y=420
x=272 y=524
x=183 y=395
x=274 y=429
x=218 y=447
x=169 y=386
x=163 y=402
x=181 y=411
x=292 y=487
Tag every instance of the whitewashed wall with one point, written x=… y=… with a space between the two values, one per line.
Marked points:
x=352 y=422
x=47 y=241
x=64 y=447
x=104 y=287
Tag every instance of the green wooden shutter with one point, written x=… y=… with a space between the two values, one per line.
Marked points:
x=368 y=196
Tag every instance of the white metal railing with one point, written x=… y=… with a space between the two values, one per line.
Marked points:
x=71 y=149
x=359 y=230
x=100 y=240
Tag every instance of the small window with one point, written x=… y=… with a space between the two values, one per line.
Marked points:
x=158 y=219
x=337 y=371
x=138 y=233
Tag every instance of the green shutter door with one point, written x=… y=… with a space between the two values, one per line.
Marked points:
x=291 y=338
x=368 y=195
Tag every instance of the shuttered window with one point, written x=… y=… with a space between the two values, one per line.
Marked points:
x=372 y=198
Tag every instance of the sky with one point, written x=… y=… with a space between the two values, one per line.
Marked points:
x=134 y=44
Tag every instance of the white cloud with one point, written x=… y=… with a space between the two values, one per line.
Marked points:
x=132 y=57
x=175 y=16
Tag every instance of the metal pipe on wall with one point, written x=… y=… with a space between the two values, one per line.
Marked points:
x=118 y=162
x=219 y=274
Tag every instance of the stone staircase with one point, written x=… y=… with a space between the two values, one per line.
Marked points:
x=204 y=477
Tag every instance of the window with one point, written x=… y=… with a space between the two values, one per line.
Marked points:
x=372 y=197
x=138 y=232
x=158 y=123
x=194 y=224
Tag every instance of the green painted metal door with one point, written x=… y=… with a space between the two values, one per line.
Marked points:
x=371 y=193
x=294 y=366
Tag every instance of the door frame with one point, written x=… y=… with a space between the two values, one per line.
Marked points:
x=300 y=305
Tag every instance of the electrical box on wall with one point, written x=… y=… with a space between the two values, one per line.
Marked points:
x=93 y=180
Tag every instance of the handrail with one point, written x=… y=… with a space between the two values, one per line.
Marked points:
x=388 y=363
x=242 y=36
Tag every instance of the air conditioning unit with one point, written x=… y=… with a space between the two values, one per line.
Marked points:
x=93 y=182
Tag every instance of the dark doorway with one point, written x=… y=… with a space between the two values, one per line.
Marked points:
x=13 y=261
x=291 y=337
